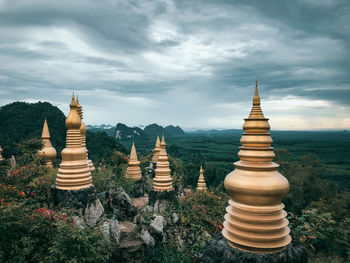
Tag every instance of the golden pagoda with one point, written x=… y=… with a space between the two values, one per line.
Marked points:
x=201 y=181
x=162 y=181
x=83 y=134
x=255 y=219
x=133 y=172
x=156 y=151
x=48 y=152
x=74 y=172
x=1 y=159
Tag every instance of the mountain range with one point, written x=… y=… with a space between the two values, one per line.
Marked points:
x=125 y=133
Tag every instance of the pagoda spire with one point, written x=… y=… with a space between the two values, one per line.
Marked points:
x=74 y=172
x=162 y=181
x=83 y=134
x=133 y=172
x=255 y=219
x=1 y=159
x=256 y=112
x=156 y=150
x=48 y=152
x=201 y=181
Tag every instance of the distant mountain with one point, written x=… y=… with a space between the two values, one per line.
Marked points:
x=123 y=132
x=109 y=129
x=173 y=131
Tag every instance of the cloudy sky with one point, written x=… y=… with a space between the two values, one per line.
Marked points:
x=187 y=63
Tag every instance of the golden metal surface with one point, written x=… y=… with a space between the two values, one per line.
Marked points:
x=133 y=172
x=156 y=151
x=48 y=152
x=255 y=220
x=83 y=134
x=163 y=181
x=74 y=172
x=201 y=181
x=0 y=154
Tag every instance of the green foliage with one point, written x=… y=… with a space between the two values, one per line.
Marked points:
x=29 y=234
x=320 y=232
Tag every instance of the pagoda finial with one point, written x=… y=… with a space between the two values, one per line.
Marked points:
x=256 y=112
x=73 y=100
x=163 y=140
x=1 y=159
x=45 y=134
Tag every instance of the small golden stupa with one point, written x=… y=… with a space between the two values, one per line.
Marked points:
x=1 y=159
x=74 y=172
x=255 y=219
x=83 y=134
x=162 y=181
x=201 y=181
x=133 y=172
x=48 y=152
x=156 y=151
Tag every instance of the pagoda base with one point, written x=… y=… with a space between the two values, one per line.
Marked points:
x=75 y=199
x=170 y=196
x=218 y=251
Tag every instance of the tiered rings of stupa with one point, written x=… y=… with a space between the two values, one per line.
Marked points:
x=163 y=181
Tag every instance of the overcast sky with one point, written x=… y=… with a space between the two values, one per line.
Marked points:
x=187 y=63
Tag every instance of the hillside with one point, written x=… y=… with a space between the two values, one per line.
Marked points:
x=22 y=121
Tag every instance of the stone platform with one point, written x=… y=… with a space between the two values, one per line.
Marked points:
x=218 y=251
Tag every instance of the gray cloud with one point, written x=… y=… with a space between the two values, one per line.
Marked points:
x=192 y=63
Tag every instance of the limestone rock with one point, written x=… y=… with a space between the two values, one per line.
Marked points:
x=147 y=238
x=175 y=218
x=93 y=213
x=119 y=202
x=157 y=224
x=161 y=206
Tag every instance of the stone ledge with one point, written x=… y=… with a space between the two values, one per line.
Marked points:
x=218 y=251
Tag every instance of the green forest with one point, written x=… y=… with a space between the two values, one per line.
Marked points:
x=317 y=165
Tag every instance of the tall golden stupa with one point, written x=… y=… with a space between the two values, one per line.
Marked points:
x=1 y=159
x=83 y=134
x=255 y=219
x=201 y=181
x=162 y=181
x=133 y=172
x=48 y=152
x=74 y=172
x=156 y=151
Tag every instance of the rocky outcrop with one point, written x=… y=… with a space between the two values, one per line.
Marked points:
x=111 y=230
x=84 y=202
x=218 y=251
x=119 y=202
x=93 y=213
